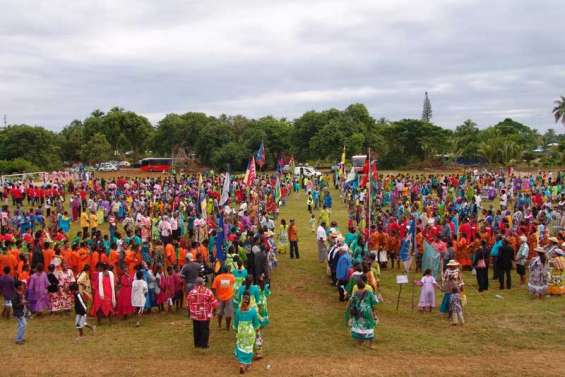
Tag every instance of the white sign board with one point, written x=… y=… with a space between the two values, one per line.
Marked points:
x=401 y=279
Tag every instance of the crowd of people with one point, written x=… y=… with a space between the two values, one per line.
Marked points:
x=478 y=221
x=123 y=247
x=132 y=246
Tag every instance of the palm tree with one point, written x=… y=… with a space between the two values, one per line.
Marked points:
x=490 y=149
x=559 y=110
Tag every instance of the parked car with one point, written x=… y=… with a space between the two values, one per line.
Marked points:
x=106 y=166
x=124 y=164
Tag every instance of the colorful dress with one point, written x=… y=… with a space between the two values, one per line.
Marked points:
x=557 y=273
x=63 y=299
x=538 y=280
x=38 y=296
x=262 y=304
x=283 y=244
x=240 y=276
x=246 y=324
x=359 y=313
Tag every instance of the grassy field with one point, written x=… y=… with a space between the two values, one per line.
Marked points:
x=513 y=335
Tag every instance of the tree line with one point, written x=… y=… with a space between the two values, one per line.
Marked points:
x=228 y=141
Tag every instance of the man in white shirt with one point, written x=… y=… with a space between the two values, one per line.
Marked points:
x=322 y=237
x=503 y=200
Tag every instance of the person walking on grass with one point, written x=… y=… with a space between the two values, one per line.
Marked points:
x=201 y=304
x=521 y=259
x=246 y=324
x=8 y=291
x=504 y=264
x=18 y=305
x=223 y=287
x=80 y=311
x=361 y=315
x=293 y=239
x=322 y=238
x=139 y=290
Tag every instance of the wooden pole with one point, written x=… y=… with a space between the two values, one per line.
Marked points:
x=398 y=298
x=412 y=291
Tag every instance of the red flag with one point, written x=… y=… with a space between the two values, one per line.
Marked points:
x=365 y=169
x=250 y=174
x=365 y=174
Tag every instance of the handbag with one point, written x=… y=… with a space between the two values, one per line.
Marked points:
x=463 y=299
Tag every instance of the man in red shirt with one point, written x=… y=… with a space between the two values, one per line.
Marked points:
x=201 y=304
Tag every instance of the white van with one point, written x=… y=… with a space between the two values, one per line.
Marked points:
x=306 y=171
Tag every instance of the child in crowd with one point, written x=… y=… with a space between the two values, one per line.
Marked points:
x=18 y=305
x=312 y=222
x=179 y=286
x=80 y=311
x=8 y=291
x=139 y=290
x=456 y=308
x=427 y=293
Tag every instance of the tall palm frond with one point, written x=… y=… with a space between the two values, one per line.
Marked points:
x=559 y=110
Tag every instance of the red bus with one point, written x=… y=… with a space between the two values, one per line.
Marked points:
x=156 y=164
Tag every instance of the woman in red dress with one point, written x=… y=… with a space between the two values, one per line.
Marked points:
x=123 y=307
x=105 y=296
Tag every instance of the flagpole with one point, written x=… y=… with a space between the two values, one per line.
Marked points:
x=369 y=191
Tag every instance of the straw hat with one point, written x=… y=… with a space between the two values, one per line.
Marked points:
x=453 y=263
x=553 y=239
x=269 y=233
x=523 y=239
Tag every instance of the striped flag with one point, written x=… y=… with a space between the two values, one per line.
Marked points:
x=260 y=156
x=250 y=172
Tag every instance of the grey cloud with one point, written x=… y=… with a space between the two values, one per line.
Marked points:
x=482 y=60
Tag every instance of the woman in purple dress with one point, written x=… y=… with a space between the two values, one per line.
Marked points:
x=38 y=295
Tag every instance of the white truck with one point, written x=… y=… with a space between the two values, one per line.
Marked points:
x=306 y=171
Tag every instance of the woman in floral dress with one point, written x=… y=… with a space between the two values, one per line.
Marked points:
x=246 y=323
x=360 y=314
x=538 y=280
x=64 y=299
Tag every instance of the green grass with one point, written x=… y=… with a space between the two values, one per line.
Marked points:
x=308 y=336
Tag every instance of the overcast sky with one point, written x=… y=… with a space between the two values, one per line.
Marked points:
x=484 y=60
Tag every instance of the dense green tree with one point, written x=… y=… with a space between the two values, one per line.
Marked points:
x=97 y=149
x=19 y=165
x=466 y=140
x=71 y=141
x=34 y=144
x=230 y=140
x=411 y=140
x=328 y=141
x=128 y=131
